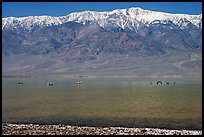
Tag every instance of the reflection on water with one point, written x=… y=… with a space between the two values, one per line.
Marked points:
x=103 y=102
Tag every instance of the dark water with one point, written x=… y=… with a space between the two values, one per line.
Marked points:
x=124 y=102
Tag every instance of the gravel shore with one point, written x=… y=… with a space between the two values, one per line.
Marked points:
x=35 y=129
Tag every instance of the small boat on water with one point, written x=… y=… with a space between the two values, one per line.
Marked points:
x=159 y=82
x=79 y=82
x=49 y=84
x=20 y=83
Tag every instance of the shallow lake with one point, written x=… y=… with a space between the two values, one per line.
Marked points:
x=124 y=102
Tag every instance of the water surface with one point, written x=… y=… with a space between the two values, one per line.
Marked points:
x=124 y=102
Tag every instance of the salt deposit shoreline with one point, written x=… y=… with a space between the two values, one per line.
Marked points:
x=36 y=129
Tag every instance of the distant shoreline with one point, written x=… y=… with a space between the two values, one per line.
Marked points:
x=36 y=129
x=105 y=76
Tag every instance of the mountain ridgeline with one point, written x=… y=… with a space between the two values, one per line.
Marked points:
x=127 y=42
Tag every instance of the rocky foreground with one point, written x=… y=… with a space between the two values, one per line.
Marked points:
x=35 y=129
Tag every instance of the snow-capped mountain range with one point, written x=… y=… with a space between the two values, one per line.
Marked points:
x=130 y=41
x=130 y=18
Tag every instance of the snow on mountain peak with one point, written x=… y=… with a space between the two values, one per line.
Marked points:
x=130 y=17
